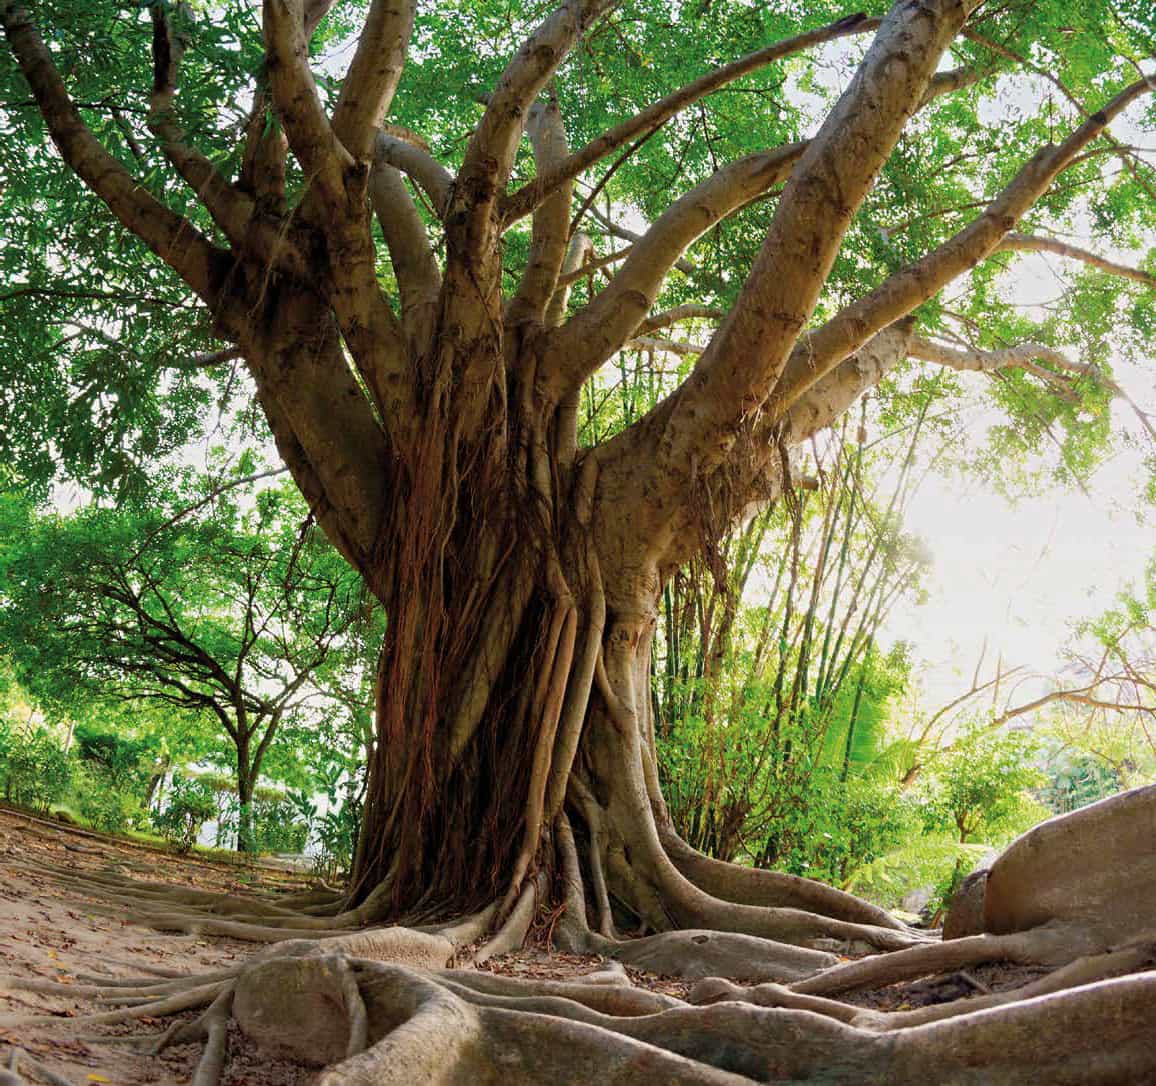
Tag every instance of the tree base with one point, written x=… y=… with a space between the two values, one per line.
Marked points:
x=386 y=1005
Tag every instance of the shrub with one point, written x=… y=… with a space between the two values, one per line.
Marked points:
x=842 y=826
x=36 y=769
x=277 y=825
x=190 y=804
x=98 y=800
x=336 y=835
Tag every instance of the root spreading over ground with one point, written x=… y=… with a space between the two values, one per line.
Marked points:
x=1057 y=985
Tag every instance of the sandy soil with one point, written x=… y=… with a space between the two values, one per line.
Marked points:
x=60 y=934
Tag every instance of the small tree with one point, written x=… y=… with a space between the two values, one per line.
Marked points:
x=233 y=613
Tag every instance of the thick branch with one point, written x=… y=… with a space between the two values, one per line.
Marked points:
x=373 y=75
x=591 y=336
x=323 y=423
x=760 y=471
x=654 y=116
x=417 y=164
x=322 y=156
x=490 y=154
x=609 y=321
x=749 y=352
x=232 y=209
x=916 y=283
x=551 y=226
x=414 y=265
x=337 y=193
x=175 y=240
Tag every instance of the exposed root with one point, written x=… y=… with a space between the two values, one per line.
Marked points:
x=718 y=990
x=199 y=912
x=215 y=1025
x=10 y=1074
x=702 y=953
x=613 y=999
x=192 y=999
x=741 y=885
x=512 y=933
x=1044 y=946
x=379 y=1006
x=142 y=967
x=358 y=1019
x=375 y=1023
x=443 y=1030
x=1082 y=971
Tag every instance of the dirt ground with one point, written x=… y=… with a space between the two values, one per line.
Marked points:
x=59 y=933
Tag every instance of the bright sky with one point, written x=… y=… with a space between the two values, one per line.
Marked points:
x=1020 y=575
x=1016 y=576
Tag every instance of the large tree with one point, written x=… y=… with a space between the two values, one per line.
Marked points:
x=419 y=354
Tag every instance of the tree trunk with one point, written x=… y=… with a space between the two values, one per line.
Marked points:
x=156 y=779
x=531 y=714
x=246 y=780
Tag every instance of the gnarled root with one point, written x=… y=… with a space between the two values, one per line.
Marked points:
x=432 y=1028
x=1053 y=946
x=378 y=1023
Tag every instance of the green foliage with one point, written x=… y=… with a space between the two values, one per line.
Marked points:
x=36 y=770
x=978 y=788
x=188 y=805
x=335 y=832
x=277 y=823
x=839 y=828
x=217 y=611
x=101 y=802
x=1076 y=778
x=767 y=709
x=98 y=344
x=919 y=860
x=772 y=725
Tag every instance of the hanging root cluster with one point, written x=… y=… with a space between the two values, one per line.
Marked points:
x=404 y=1005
